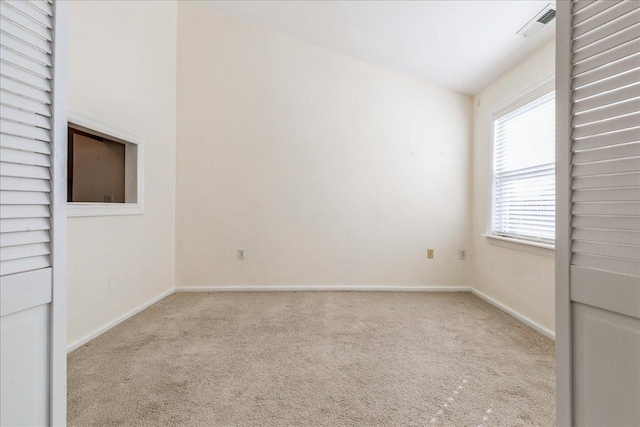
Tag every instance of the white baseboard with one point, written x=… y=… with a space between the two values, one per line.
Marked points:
x=327 y=288
x=117 y=321
x=521 y=317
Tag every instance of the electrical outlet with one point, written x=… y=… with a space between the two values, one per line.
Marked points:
x=462 y=254
x=240 y=253
x=430 y=253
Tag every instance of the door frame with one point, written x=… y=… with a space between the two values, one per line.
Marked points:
x=58 y=325
x=563 y=215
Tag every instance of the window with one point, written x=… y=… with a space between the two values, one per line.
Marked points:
x=96 y=168
x=104 y=172
x=523 y=196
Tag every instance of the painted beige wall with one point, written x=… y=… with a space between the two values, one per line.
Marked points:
x=122 y=72
x=327 y=170
x=522 y=281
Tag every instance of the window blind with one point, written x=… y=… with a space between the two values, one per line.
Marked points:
x=523 y=199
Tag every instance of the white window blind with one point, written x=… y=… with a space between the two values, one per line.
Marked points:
x=523 y=198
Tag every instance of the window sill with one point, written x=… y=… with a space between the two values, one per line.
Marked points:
x=75 y=209
x=534 y=248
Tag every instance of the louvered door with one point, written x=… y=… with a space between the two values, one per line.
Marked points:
x=30 y=128
x=599 y=269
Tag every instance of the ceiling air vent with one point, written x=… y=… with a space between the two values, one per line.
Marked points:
x=538 y=22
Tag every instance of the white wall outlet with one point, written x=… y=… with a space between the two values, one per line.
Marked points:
x=462 y=254
x=240 y=253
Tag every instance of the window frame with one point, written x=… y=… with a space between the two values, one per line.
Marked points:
x=536 y=91
x=134 y=171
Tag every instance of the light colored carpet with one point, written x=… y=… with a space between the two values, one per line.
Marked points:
x=315 y=359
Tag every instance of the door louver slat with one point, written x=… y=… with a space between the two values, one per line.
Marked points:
x=30 y=64
x=24 y=198
x=11 y=14
x=31 y=93
x=605 y=31
x=607 y=57
x=30 y=211
x=606 y=222
x=25 y=251
x=21 y=75
x=26 y=51
x=622 y=137
x=614 y=11
x=25 y=104
x=617 y=39
x=608 y=112
x=26 y=36
x=608 y=195
x=630 y=252
x=605 y=162
x=24 y=171
x=614 y=208
x=584 y=14
x=619 y=265
x=627 y=64
x=25 y=117
x=601 y=168
x=24 y=224
x=25 y=135
x=617 y=82
x=608 y=153
x=43 y=6
x=22 y=130
x=631 y=179
x=24 y=144
x=24 y=184
x=24 y=238
x=607 y=236
x=34 y=14
x=581 y=4
x=24 y=264
x=24 y=157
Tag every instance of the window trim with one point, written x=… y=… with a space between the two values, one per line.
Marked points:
x=529 y=246
x=85 y=209
x=530 y=94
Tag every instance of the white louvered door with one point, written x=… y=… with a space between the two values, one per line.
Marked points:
x=599 y=145
x=31 y=211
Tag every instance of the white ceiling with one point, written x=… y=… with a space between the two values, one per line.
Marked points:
x=460 y=45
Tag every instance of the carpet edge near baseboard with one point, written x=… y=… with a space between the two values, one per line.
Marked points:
x=524 y=319
x=82 y=341
x=514 y=313
x=323 y=288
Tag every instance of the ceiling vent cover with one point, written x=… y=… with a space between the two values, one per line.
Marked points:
x=538 y=22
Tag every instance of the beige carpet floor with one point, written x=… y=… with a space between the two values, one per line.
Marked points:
x=315 y=359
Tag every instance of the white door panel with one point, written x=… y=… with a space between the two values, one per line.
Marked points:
x=598 y=213
x=24 y=367
x=32 y=213
x=607 y=354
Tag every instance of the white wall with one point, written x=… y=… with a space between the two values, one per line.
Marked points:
x=520 y=280
x=122 y=72
x=327 y=170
